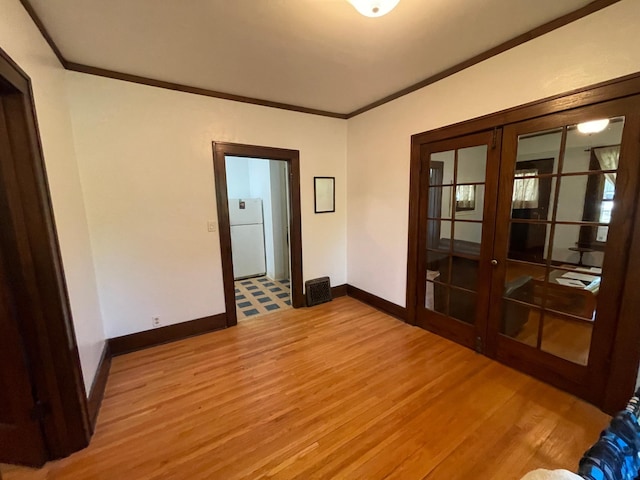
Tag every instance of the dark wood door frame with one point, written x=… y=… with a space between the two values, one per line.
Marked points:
x=36 y=272
x=624 y=359
x=292 y=157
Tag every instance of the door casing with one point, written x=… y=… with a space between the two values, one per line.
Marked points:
x=292 y=157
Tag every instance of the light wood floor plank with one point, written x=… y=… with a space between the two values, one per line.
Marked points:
x=336 y=391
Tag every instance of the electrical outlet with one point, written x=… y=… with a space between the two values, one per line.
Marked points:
x=212 y=226
x=155 y=321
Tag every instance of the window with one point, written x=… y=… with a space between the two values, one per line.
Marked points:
x=465 y=198
x=606 y=206
x=525 y=189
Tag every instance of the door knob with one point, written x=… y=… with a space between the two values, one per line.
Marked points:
x=494 y=262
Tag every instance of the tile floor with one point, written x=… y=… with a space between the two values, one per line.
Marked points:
x=255 y=296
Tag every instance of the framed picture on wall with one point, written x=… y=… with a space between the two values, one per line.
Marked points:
x=324 y=191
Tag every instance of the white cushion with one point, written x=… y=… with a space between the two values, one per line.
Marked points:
x=551 y=475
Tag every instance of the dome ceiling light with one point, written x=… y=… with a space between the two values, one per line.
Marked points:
x=593 y=126
x=374 y=8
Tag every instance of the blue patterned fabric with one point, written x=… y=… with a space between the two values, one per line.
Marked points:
x=616 y=454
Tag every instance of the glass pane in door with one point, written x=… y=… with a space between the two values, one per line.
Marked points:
x=568 y=339
x=440 y=201
x=467 y=238
x=563 y=200
x=462 y=305
x=533 y=196
x=520 y=322
x=464 y=273
x=472 y=164
x=456 y=192
x=522 y=301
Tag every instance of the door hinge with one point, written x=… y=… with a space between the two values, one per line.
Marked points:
x=494 y=140
x=479 y=345
x=40 y=410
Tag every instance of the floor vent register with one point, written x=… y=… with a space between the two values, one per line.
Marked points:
x=318 y=291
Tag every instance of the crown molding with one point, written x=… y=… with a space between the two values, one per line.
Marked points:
x=78 y=67
x=43 y=31
x=503 y=47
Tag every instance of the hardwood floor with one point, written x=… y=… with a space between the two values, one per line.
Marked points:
x=338 y=391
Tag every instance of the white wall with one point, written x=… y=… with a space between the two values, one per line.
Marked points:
x=20 y=38
x=238 y=184
x=596 y=48
x=146 y=166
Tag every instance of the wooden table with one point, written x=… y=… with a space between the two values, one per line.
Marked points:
x=581 y=251
x=581 y=302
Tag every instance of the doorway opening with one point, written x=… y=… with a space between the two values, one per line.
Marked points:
x=257 y=193
x=258 y=200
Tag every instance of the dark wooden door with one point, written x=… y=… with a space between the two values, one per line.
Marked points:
x=457 y=215
x=21 y=434
x=38 y=351
x=21 y=439
x=554 y=308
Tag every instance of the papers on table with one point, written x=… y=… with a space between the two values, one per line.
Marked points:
x=570 y=282
x=580 y=276
x=589 y=280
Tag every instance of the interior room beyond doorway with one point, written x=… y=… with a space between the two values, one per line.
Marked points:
x=257 y=195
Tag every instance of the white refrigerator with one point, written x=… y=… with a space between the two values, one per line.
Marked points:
x=247 y=237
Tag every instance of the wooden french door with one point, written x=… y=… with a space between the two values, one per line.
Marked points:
x=459 y=179
x=554 y=313
x=524 y=234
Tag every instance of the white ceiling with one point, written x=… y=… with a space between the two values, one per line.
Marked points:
x=318 y=54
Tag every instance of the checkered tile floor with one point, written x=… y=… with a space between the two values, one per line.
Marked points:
x=255 y=296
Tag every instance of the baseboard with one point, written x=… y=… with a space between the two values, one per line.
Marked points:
x=171 y=333
x=339 y=291
x=379 y=303
x=96 y=394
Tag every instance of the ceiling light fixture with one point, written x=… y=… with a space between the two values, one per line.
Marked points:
x=374 y=8
x=593 y=126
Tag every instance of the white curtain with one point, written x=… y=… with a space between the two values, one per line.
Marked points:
x=466 y=197
x=608 y=158
x=525 y=189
